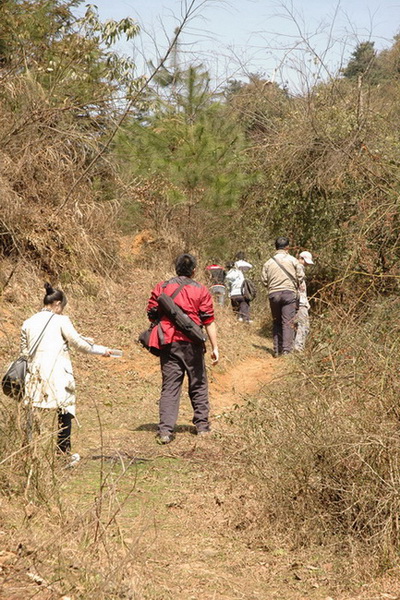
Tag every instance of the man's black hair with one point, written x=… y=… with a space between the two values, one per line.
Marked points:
x=281 y=242
x=185 y=264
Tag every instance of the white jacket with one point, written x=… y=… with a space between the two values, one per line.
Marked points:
x=243 y=265
x=233 y=281
x=50 y=381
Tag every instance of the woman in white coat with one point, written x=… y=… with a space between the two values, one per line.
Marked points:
x=50 y=382
x=234 y=280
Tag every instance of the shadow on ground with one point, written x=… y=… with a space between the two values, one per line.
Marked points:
x=264 y=348
x=178 y=428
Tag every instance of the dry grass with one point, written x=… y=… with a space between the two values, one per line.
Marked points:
x=322 y=446
x=44 y=151
x=296 y=493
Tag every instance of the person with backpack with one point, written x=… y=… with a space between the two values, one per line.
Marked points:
x=216 y=275
x=181 y=352
x=282 y=275
x=240 y=302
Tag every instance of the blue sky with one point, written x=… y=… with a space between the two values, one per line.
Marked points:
x=295 y=42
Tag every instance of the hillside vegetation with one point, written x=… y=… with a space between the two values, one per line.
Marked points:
x=105 y=177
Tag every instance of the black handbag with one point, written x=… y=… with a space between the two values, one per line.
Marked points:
x=144 y=339
x=13 y=382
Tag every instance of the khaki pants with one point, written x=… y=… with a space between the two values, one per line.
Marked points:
x=302 y=329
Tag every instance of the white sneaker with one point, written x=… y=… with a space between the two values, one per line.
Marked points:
x=240 y=320
x=75 y=458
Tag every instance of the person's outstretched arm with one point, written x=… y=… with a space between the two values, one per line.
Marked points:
x=73 y=338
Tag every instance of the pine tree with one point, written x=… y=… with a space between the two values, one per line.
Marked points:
x=193 y=143
x=362 y=61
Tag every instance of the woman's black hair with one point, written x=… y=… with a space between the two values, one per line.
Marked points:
x=53 y=295
x=185 y=264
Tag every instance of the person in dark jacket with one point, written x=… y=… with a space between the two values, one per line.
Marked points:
x=216 y=274
x=178 y=354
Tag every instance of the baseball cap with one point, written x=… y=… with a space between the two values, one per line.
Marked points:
x=307 y=257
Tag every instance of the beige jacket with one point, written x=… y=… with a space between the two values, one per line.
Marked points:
x=303 y=300
x=276 y=280
x=50 y=381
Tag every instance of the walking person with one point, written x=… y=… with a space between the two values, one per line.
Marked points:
x=49 y=383
x=180 y=355
x=302 y=316
x=282 y=275
x=240 y=305
x=216 y=274
x=242 y=263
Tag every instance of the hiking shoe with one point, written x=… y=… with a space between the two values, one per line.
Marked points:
x=72 y=459
x=204 y=433
x=75 y=458
x=164 y=439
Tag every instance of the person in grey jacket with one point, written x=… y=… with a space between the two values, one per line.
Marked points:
x=282 y=275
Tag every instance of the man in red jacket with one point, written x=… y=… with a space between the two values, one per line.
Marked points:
x=178 y=354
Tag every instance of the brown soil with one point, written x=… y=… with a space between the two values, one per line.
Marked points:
x=244 y=378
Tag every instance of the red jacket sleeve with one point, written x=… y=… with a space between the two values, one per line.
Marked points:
x=152 y=304
x=206 y=307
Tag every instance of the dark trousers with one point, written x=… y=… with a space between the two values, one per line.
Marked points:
x=176 y=359
x=64 y=431
x=283 y=309
x=241 y=307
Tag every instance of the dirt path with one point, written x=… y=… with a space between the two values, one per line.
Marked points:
x=228 y=388
x=183 y=531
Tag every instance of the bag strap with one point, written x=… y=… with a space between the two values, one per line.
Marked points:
x=38 y=339
x=296 y=283
x=176 y=292
x=178 y=289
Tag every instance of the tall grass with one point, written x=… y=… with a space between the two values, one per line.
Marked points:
x=44 y=150
x=323 y=445
x=63 y=545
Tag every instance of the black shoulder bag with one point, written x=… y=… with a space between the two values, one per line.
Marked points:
x=179 y=318
x=13 y=382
